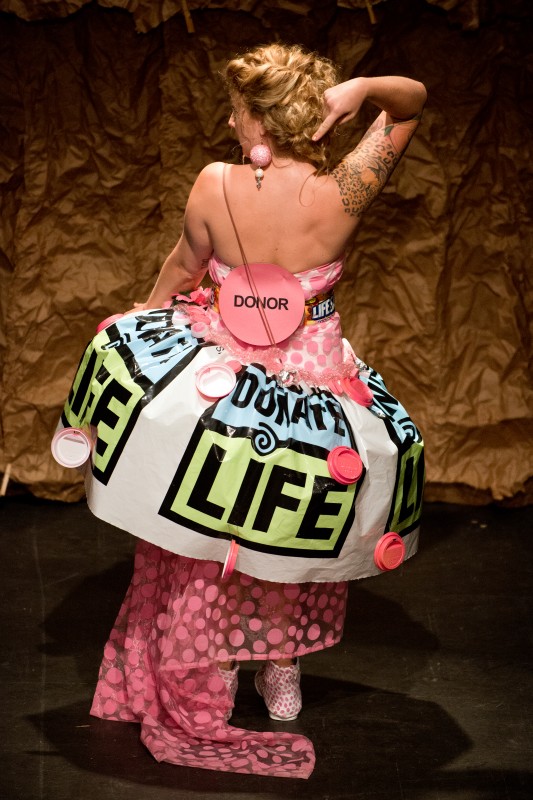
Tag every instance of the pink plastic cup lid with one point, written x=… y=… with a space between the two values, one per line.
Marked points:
x=235 y=365
x=215 y=380
x=358 y=391
x=336 y=386
x=71 y=447
x=344 y=465
x=108 y=321
x=389 y=552
x=231 y=559
x=199 y=329
x=278 y=299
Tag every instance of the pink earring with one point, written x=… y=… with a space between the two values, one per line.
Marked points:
x=261 y=156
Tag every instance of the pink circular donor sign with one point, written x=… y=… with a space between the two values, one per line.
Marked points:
x=269 y=312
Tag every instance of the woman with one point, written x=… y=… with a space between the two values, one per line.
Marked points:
x=304 y=467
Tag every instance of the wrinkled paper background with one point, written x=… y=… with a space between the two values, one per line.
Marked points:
x=108 y=111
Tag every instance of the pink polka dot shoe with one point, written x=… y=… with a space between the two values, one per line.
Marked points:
x=231 y=679
x=280 y=689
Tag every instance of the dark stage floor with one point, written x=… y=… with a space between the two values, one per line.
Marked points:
x=428 y=697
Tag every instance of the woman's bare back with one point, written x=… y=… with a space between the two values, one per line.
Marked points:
x=295 y=220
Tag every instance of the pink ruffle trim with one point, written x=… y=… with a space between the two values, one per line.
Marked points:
x=273 y=359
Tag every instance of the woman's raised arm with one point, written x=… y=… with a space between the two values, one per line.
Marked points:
x=362 y=174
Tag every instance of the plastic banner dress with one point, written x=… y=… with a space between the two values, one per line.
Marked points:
x=288 y=462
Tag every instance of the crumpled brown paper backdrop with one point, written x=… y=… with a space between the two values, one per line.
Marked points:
x=110 y=109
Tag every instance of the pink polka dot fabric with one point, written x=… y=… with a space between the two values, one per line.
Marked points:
x=177 y=622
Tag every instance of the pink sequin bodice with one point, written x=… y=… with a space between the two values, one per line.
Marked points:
x=313 y=353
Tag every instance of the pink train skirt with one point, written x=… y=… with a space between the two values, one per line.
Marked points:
x=177 y=622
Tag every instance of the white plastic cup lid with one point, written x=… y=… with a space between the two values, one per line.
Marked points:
x=179 y=318
x=215 y=380
x=199 y=329
x=71 y=447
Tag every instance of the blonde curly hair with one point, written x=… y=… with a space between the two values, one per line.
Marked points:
x=284 y=86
